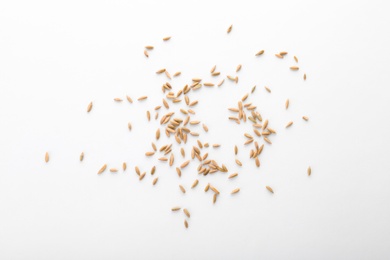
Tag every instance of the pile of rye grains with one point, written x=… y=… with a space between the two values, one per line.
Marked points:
x=180 y=127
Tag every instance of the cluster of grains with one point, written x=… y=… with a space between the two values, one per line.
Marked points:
x=180 y=127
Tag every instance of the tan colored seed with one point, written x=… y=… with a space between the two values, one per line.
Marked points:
x=287 y=103
x=305 y=118
x=129 y=126
x=283 y=53
x=269 y=189
x=46 y=157
x=215 y=198
x=269 y=90
x=149 y=47
x=155 y=180
x=238 y=68
x=216 y=145
x=289 y=124
x=142 y=176
x=148 y=115
x=235 y=150
x=81 y=157
x=253 y=89
x=160 y=71
x=260 y=53
x=186 y=223
x=244 y=97
x=118 y=99
x=231 y=176
x=142 y=98
x=230 y=28
x=182 y=189
x=267 y=140
x=304 y=76
x=187 y=213
x=221 y=82
x=177 y=74
x=176 y=208
x=194 y=184
x=309 y=171
x=213 y=69
x=207 y=187
x=167 y=38
x=146 y=53
x=149 y=153
x=102 y=169
x=124 y=166
x=235 y=191
x=208 y=84
x=113 y=170
x=89 y=108
x=294 y=68
x=129 y=99
x=214 y=189
x=296 y=59
x=238 y=162
x=279 y=56
x=153 y=170
x=184 y=164
x=197 y=79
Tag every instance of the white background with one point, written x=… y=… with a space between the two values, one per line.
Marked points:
x=57 y=56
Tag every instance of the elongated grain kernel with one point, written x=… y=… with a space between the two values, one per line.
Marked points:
x=214 y=189
x=46 y=157
x=146 y=53
x=213 y=69
x=230 y=28
x=305 y=118
x=129 y=126
x=184 y=164
x=283 y=53
x=289 y=124
x=186 y=223
x=142 y=176
x=177 y=74
x=176 y=208
x=296 y=59
x=260 y=53
x=309 y=171
x=294 y=68
x=149 y=153
x=113 y=170
x=207 y=187
x=253 y=89
x=155 y=180
x=182 y=189
x=231 y=176
x=81 y=157
x=124 y=166
x=194 y=184
x=149 y=47
x=129 y=99
x=142 y=98
x=89 y=108
x=166 y=38
x=269 y=189
x=268 y=89
x=187 y=213
x=238 y=67
x=102 y=169
x=304 y=76
x=215 y=198
x=221 y=82
x=279 y=56
x=118 y=99
x=238 y=162
x=235 y=191
x=287 y=103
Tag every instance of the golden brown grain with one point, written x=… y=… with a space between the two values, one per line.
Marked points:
x=142 y=176
x=149 y=153
x=235 y=191
x=186 y=223
x=118 y=99
x=279 y=56
x=177 y=74
x=81 y=157
x=160 y=71
x=149 y=47
x=184 y=164
x=213 y=69
x=146 y=53
x=230 y=28
x=124 y=166
x=102 y=169
x=113 y=170
x=182 y=189
x=304 y=76
x=269 y=189
x=176 y=208
x=221 y=82
x=89 y=108
x=155 y=180
x=129 y=126
x=238 y=67
x=142 y=98
x=194 y=184
x=207 y=187
x=268 y=89
x=167 y=38
x=289 y=124
x=253 y=89
x=305 y=118
x=231 y=176
x=309 y=171
x=260 y=53
x=46 y=157
x=294 y=68
x=214 y=189
x=238 y=162
x=187 y=213
x=129 y=99
x=283 y=53
x=235 y=150
x=215 y=198
x=287 y=103
x=296 y=59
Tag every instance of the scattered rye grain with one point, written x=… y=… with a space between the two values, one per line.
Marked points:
x=238 y=162
x=146 y=53
x=279 y=56
x=102 y=169
x=213 y=69
x=81 y=157
x=182 y=189
x=186 y=223
x=230 y=28
x=287 y=103
x=296 y=59
x=231 y=176
x=177 y=74
x=89 y=108
x=305 y=118
x=215 y=198
x=221 y=82
x=268 y=89
x=187 y=213
x=283 y=53
x=142 y=98
x=176 y=208
x=142 y=176
x=149 y=153
x=216 y=191
x=235 y=191
x=207 y=187
x=155 y=180
x=113 y=170
x=253 y=89
x=259 y=53
x=269 y=189
x=124 y=166
x=309 y=171
x=46 y=157
x=129 y=99
x=294 y=68
x=238 y=67
x=149 y=47
x=118 y=99
x=289 y=124
x=166 y=38
x=160 y=71
x=235 y=150
x=304 y=76
x=194 y=184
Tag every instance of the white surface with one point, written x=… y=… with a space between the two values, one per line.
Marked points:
x=57 y=56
